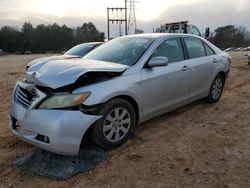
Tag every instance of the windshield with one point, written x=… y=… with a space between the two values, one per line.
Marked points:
x=124 y=51
x=79 y=50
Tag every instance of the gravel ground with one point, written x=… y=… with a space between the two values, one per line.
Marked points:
x=199 y=145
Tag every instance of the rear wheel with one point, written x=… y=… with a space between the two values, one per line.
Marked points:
x=216 y=89
x=116 y=126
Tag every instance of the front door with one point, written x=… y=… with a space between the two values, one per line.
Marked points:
x=167 y=86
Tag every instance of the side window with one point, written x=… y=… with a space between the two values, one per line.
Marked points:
x=209 y=50
x=195 y=47
x=170 y=48
x=195 y=31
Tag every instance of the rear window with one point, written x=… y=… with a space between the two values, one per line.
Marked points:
x=209 y=50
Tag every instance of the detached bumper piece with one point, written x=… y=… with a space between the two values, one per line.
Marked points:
x=44 y=163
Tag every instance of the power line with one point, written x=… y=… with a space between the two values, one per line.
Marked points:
x=132 y=26
x=119 y=18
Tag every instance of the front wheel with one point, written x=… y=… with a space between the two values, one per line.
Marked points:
x=216 y=89
x=116 y=126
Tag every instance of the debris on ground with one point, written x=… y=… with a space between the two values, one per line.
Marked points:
x=44 y=163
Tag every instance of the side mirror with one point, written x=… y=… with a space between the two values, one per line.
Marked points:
x=207 y=32
x=159 y=61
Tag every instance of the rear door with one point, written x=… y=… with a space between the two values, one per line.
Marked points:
x=201 y=63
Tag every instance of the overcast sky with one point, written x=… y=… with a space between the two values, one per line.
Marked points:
x=149 y=13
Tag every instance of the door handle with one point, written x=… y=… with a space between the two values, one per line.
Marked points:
x=185 y=68
x=215 y=60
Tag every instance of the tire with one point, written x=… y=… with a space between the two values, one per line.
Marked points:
x=116 y=126
x=216 y=89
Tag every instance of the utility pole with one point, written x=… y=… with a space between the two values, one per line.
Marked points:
x=108 y=21
x=126 y=17
x=117 y=20
x=132 y=18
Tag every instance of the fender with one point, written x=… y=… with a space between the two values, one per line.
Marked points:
x=106 y=90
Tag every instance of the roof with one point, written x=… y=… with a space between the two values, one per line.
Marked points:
x=160 y=35
x=94 y=43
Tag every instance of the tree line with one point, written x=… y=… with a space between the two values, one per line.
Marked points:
x=47 y=38
x=230 y=36
x=55 y=38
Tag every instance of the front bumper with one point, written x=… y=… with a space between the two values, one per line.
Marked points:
x=63 y=128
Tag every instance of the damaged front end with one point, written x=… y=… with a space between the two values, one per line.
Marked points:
x=61 y=78
x=47 y=113
x=61 y=73
x=84 y=80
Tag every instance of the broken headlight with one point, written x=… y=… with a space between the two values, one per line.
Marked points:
x=64 y=101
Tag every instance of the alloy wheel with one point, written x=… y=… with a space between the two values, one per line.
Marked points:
x=116 y=124
x=217 y=88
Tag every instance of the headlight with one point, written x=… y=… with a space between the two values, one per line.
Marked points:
x=63 y=101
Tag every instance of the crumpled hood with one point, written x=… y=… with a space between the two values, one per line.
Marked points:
x=44 y=60
x=58 y=73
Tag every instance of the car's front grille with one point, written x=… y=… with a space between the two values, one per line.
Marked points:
x=23 y=96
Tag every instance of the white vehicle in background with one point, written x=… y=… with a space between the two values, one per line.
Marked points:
x=182 y=27
x=246 y=49
x=238 y=49
x=248 y=54
x=231 y=49
x=75 y=52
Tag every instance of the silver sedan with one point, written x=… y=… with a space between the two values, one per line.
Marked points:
x=126 y=81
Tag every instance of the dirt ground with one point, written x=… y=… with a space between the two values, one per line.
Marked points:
x=199 y=145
